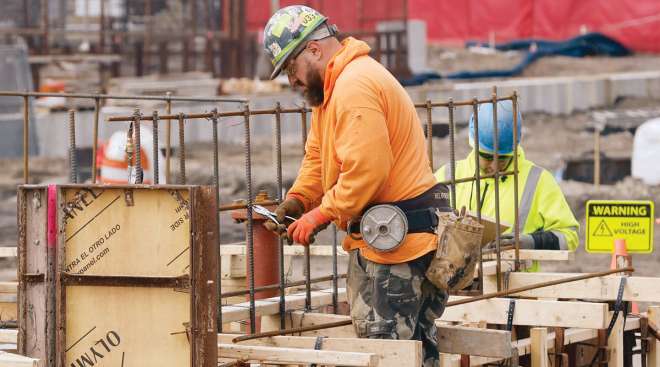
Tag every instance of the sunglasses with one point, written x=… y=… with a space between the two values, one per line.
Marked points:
x=290 y=68
x=490 y=157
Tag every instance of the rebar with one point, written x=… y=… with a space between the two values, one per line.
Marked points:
x=496 y=187
x=124 y=97
x=155 y=162
x=73 y=162
x=295 y=283
x=278 y=196
x=207 y=115
x=516 y=212
x=139 y=174
x=182 y=151
x=216 y=184
x=95 y=137
x=452 y=153
x=335 y=278
x=249 y=234
x=429 y=132
x=477 y=177
x=26 y=140
x=308 y=266
x=168 y=137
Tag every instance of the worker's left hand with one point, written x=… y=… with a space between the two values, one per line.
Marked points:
x=526 y=240
x=304 y=229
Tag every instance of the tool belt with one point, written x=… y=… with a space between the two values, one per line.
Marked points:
x=419 y=211
x=455 y=260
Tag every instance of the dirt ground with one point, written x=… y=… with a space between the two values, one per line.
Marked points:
x=448 y=59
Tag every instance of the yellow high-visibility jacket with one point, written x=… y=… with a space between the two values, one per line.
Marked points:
x=541 y=204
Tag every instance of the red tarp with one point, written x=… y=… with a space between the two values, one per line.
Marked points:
x=635 y=23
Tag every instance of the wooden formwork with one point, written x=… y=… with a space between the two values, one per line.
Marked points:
x=123 y=274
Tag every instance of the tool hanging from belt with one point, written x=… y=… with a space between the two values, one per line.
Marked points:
x=384 y=226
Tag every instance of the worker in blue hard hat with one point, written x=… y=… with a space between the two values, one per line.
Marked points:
x=546 y=220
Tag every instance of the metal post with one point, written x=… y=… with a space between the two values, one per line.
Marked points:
x=95 y=142
x=597 y=156
x=73 y=164
x=139 y=174
x=496 y=186
x=429 y=131
x=216 y=183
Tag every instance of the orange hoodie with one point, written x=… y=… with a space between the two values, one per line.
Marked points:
x=365 y=146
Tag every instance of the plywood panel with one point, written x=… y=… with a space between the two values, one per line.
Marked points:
x=127 y=326
x=126 y=232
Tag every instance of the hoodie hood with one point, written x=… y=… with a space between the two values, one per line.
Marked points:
x=351 y=50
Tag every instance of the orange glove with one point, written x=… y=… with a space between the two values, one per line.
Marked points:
x=304 y=229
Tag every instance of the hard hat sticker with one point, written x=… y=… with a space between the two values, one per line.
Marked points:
x=608 y=220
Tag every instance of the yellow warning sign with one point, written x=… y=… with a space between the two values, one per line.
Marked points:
x=608 y=220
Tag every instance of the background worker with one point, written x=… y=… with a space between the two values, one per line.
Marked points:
x=546 y=220
x=364 y=135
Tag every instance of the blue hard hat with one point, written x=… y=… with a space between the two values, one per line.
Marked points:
x=504 y=128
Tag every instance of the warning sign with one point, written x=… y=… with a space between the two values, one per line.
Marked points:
x=608 y=220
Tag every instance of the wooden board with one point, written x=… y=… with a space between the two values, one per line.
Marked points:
x=296 y=319
x=296 y=356
x=474 y=341
x=15 y=360
x=106 y=235
x=390 y=353
x=530 y=313
x=36 y=308
x=638 y=289
x=129 y=326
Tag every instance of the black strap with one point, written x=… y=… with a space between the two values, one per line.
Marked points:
x=317 y=346
x=509 y=314
x=619 y=306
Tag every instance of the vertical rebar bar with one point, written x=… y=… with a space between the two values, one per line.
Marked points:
x=477 y=175
x=73 y=163
x=216 y=183
x=278 y=195
x=95 y=137
x=182 y=150
x=452 y=153
x=516 y=220
x=308 y=265
x=335 y=276
x=155 y=170
x=138 y=148
x=168 y=137
x=26 y=140
x=597 y=156
x=249 y=234
x=429 y=131
x=496 y=186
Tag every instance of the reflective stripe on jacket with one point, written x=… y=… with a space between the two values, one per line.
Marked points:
x=541 y=204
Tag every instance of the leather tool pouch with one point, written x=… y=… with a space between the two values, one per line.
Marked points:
x=454 y=263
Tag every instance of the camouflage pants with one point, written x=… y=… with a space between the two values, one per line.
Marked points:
x=395 y=302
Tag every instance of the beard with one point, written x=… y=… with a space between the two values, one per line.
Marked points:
x=313 y=94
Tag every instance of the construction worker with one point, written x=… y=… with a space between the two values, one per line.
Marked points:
x=546 y=220
x=114 y=163
x=365 y=147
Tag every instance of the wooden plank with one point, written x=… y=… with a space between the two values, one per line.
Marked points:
x=296 y=356
x=538 y=338
x=653 y=357
x=8 y=252
x=270 y=306
x=539 y=255
x=15 y=360
x=638 y=289
x=615 y=344
x=530 y=313
x=295 y=319
x=8 y=287
x=8 y=336
x=474 y=341
x=390 y=353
